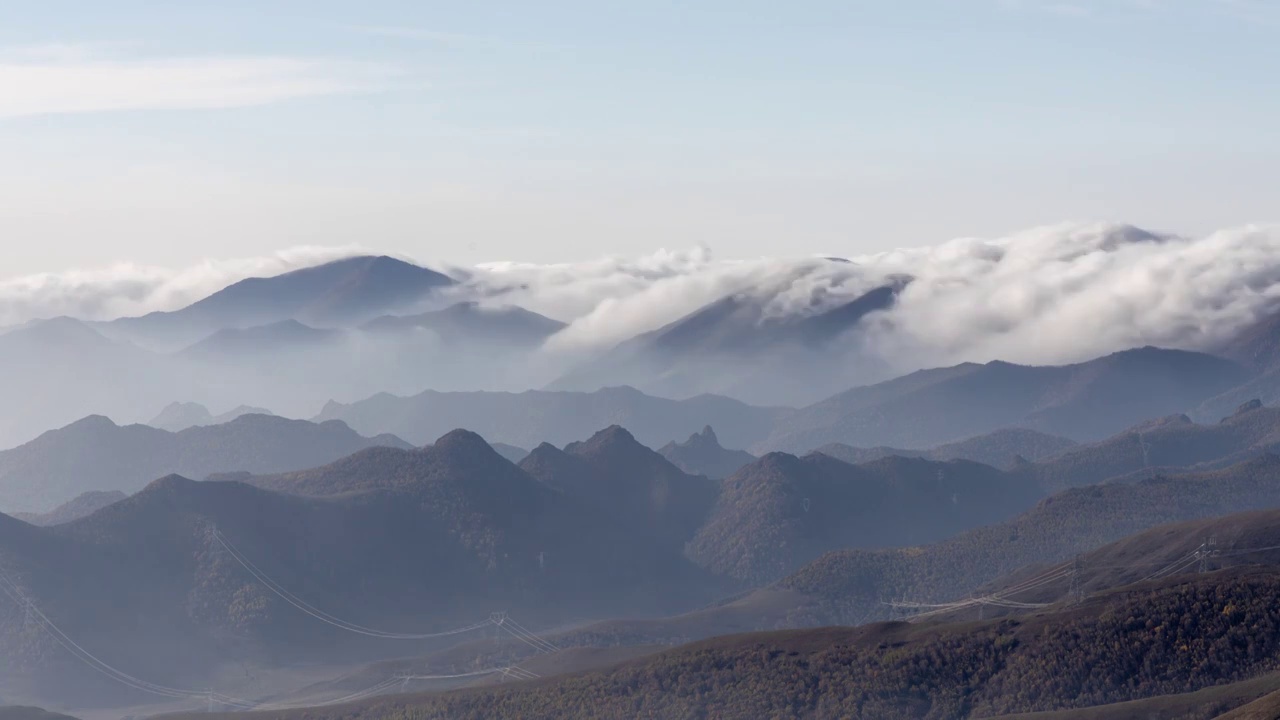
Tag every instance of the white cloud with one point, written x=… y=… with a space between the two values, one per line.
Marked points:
x=133 y=289
x=56 y=79
x=1044 y=296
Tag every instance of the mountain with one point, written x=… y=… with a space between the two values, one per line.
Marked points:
x=760 y=345
x=471 y=322
x=177 y=416
x=284 y=337
x=82 y=505
x=1257 y=345
x=1086 y=401
x=339 y=293
x=614 y=475
x=1134 y=644
x=702 y=454
x=851 y=586
x=147 y=585
x=62 y=369
x=96 y=454
x=782 y=511
x=1170 y=442
x=530 y=418
x=510 y=452
x=1003 y=449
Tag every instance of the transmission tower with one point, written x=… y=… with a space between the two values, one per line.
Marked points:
x=1206 y=551
x=1076 y=589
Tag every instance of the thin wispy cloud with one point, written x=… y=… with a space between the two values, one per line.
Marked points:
x=445 y=38
x=61 y=79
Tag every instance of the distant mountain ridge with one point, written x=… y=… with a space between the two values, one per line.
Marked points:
x=527 y=419
x=178 y=416
x=82 y=505
x=340 y=292
x=1001 y=449
x=739 y=346
x=473 y=322
x=702 y=454
x=96 y=454
x=1085 y=401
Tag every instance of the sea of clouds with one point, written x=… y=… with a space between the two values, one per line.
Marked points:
x=1047 y=295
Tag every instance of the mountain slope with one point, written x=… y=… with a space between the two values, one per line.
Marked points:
x=96 y=454
x=284 y=337
x=341 y=292
x=1087 y=401
x=62 y=369
x=82 y=505
x=781 y=511
x=702 y=454
x=750 y=345
x=1170 y=442
x=616 y=476
x=1002 y=449
x=851 y=586
x=1137 y=643
x=178 y=416
x=147 y=584
x=470 y=322
x=530 y=418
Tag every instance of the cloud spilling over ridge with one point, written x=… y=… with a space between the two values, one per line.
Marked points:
x=131 y=289
x=1048 y=295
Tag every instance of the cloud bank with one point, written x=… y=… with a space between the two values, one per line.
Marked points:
x=131 y=289
x=1047 y=295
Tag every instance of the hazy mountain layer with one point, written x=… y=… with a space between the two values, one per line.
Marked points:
x=1088 y=401
x=95 y=454
x=530 y=418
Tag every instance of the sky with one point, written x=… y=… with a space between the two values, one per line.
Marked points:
x=170 y=133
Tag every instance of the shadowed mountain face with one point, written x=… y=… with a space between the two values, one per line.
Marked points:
x=96 y=454
x=621 y=479
x=445 y=537
x=702 y=454
x=337 y=293
x=739 y=346
x=529 y=418
x=851 y=586
x=781 y=511
x=1217 y=630
x=1087 y=401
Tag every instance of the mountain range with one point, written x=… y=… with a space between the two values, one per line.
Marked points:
x=741 y=346
x=1082 y=402
x=530 y=418
x=96 y=454
x=177 y=416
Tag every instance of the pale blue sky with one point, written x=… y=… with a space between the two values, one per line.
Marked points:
x=165 y=132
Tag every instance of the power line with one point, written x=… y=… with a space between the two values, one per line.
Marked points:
x=325 y=617
x=11 y=589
